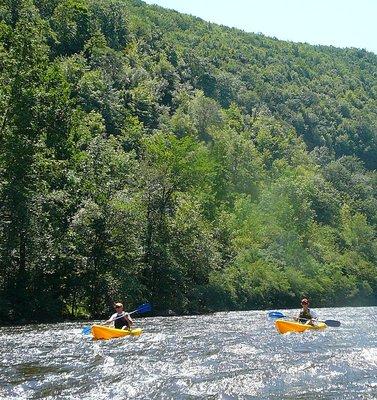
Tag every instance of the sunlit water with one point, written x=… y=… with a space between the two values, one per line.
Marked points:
x=237 y=355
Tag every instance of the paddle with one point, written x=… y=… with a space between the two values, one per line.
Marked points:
x=329 y=322
x=275 y=314
x=141 y=309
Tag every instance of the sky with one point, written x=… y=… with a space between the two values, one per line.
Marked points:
x=340 y=23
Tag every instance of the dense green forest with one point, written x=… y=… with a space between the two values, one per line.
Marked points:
x=147 y=155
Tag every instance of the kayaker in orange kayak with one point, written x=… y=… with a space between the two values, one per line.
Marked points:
x=306 y=315
x=121 y=319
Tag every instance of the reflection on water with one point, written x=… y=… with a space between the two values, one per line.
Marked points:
x=236 y=355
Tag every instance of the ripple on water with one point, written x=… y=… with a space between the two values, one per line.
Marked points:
x=236 y=355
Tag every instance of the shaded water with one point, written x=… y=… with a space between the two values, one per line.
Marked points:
x=236 y=355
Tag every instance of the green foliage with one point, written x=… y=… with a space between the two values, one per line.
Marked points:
x=151 y=156
x=71 y=23
x=112 y=20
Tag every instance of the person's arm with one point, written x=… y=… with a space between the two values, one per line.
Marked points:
x=129 y=319
x=111 y=319
x=297 y=317
x=313 y=314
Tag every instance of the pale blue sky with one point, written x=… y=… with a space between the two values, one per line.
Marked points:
x=340 y=23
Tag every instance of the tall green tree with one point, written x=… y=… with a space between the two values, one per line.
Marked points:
x=26 y=55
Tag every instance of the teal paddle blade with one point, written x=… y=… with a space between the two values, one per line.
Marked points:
x=275 y=314
x=86 y=330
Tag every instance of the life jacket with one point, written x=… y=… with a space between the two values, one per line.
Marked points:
x=305 y=316
x=121 y=322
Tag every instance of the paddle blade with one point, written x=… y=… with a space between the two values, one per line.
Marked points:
x=275 y=314
x=332 y=323
x=144 y=308
x=86 y=330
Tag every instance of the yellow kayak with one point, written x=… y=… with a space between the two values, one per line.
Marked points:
x=284 y=326
x=105 y=332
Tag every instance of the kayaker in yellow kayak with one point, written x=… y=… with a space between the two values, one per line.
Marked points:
x=121 y=319
x=306 y=315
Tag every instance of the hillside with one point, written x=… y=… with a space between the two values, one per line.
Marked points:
x=150 y=155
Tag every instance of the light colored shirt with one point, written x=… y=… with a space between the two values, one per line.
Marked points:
x=116 y=315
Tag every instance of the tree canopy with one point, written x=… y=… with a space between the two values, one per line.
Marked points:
x=147 y=155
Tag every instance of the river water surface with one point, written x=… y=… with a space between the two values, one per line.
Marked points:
x=237 y=355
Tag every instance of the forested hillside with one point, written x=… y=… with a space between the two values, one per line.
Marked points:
x=147 y=155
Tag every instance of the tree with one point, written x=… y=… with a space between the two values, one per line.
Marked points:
x=171 y=166
x=26 y=53
x=71 y=23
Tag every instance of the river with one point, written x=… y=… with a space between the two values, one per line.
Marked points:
x=229 y=355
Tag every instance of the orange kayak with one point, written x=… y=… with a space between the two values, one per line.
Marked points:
x=284 y=326
x=105 y=332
